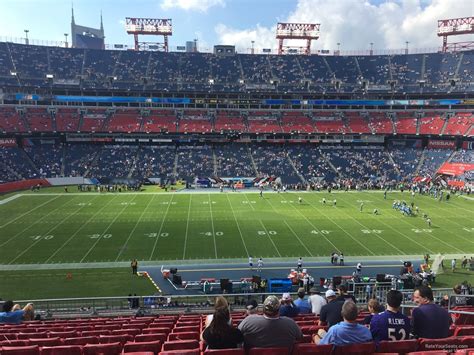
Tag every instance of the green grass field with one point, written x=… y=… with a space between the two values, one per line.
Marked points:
x=53 y=227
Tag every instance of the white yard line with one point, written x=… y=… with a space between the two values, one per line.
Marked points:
x=187 y=227
x=212 y=224
x=296 y=235
x=292 y=231
x=77 y=231
x=28 y=212
x=238 y=227
x=134 y=228
x=11 y=198
x=269 y=237
x=253 y=208
x=106 y=229
x=47 y=233
x=31 y=225
x=161 y=227
x=337 y=224
x=365 y=227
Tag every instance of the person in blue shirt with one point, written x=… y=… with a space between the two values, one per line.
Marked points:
x=391 y=324
x=12 y=314
x=302 y=303
x=346 y=332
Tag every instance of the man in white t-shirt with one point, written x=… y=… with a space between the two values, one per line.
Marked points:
x=316 y=301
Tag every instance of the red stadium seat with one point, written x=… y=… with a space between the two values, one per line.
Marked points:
x=303 y=348
x=151 y=337
x=269 y=351
x=62 y=350
x=20 y=350
x=102 y=349
x=14 y=343
x=152 y=346
x=428 y=352
x=64 y=334
x=81 y=341
x=126 y=331
x=95 y=333
x=181 y=352
x=156 y=330
x=356 y=349
x=122 y=339
x=32 y=335
x=183 y=336
x=461 y=331
x=46 y=342
x=180 y=345
x=239 y=351
x=400 y=346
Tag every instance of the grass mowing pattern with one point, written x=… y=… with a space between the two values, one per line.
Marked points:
x=64 y=228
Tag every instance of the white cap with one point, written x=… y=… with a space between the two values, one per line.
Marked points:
x=330 y=293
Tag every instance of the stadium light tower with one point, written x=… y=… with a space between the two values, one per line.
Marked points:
x=456 y=27
x=307 y=31
x=149 y=26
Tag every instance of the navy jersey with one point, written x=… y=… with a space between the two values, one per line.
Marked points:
x=390 y=326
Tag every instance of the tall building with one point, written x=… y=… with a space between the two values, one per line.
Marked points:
x=87 y=37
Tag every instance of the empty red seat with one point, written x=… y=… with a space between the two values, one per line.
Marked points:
x=32 y=335
x=399 y=346
x=180 y=344
x=151 y=337
x=102 y=349
x=97 y=333
x=183 y=335
x=8 y=336
x=152 y=346
x=81 y=341
x=430 y=352
x=302 y=348
x=46 y=341
x=14 y=343
x=156 y=330
x=461 y=331
x=20 y=350
x=181 y=352
x=239 y=351
x=126 y=331
x=356 y=349
x=193 y=328
x=122 y=339
x=64 y=334
x=62 y=350
x=268 y=351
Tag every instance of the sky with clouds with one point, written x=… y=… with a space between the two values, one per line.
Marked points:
x=352 y=23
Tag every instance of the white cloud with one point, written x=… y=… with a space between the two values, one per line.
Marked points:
x=356 y=23
x=193 y=5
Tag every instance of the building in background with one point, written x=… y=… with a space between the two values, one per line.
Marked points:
x=87 y=37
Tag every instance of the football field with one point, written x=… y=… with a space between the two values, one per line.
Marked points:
x=53 y=227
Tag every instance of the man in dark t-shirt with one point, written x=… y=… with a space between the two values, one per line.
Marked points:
x=391 y=324
x=331 y=313
x=428 y=319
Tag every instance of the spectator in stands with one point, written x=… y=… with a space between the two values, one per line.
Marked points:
x=220 y=302
x=316 y=301
x=251 y=307
x=331 y=313
x=374 y=308
x=13 y=314
x=288 y=307
x=347 y=332
x=302 y=303
x=343 y=295
x=428 y=319
x=391 y=324
x=270 y=330
x=220 y=334
x=458 y=299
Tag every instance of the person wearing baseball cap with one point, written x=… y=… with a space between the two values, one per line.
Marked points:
x=270 y=330
x=251 y=307
x=331 y=312
x=288 y=307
